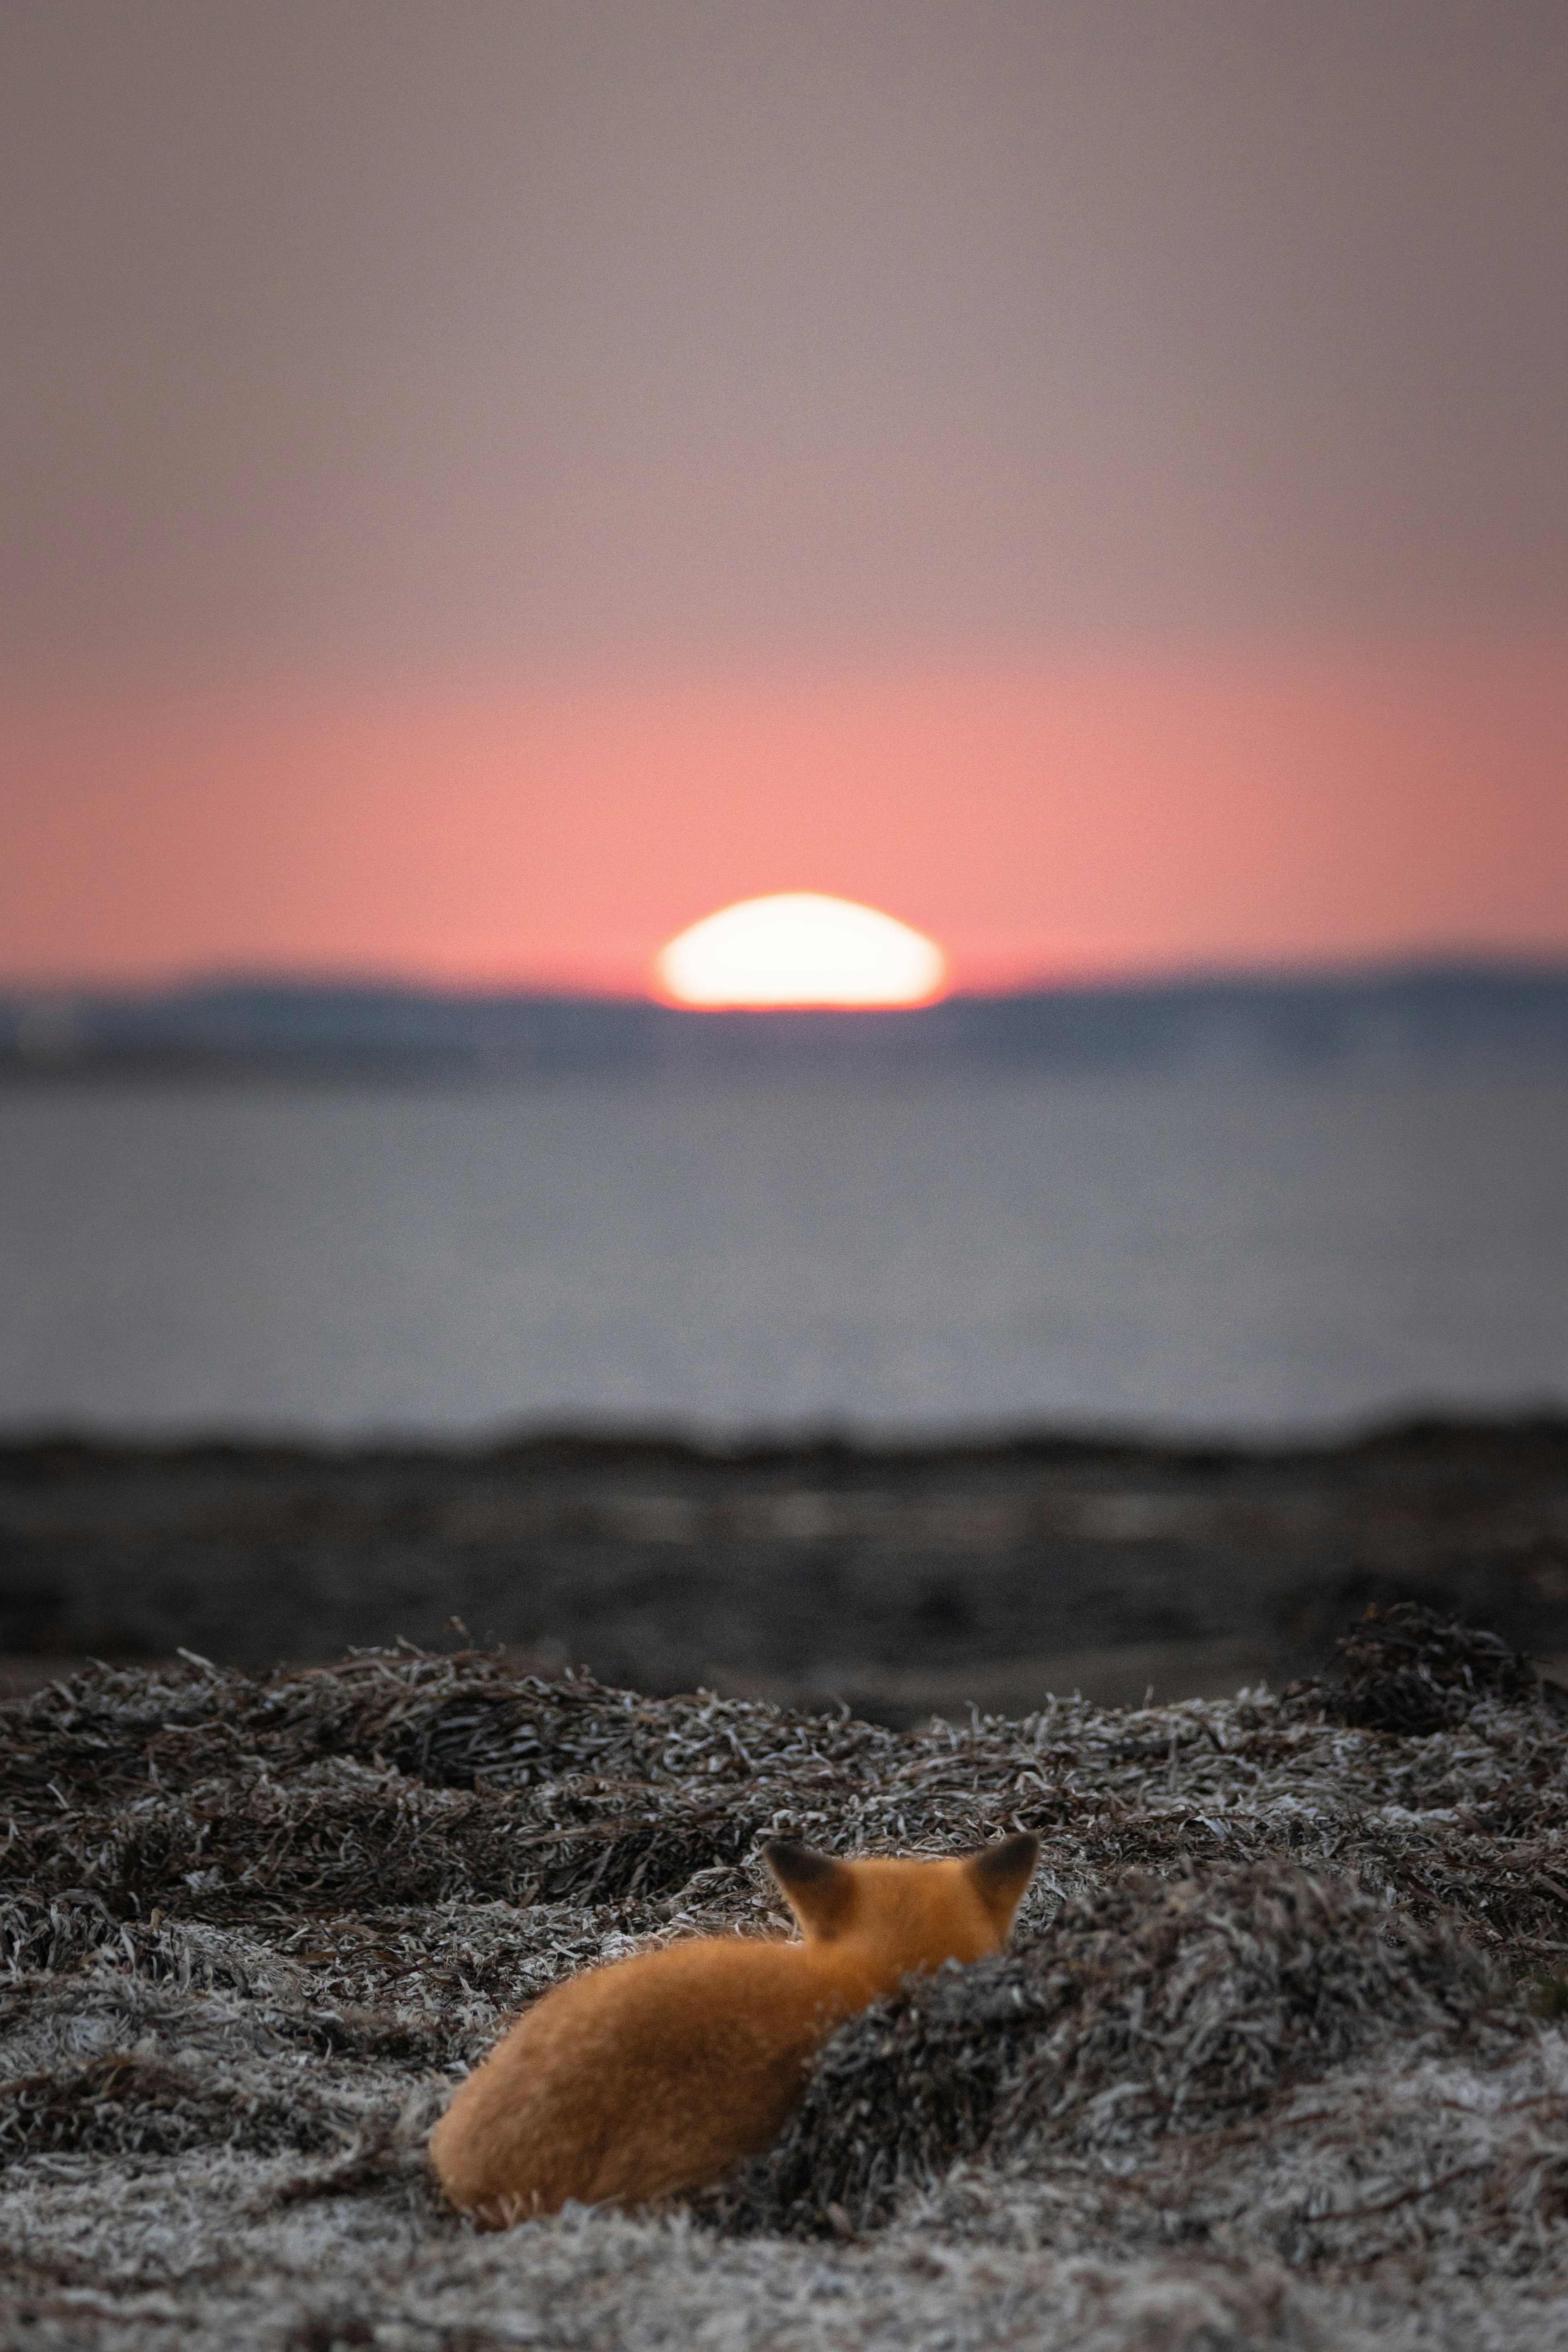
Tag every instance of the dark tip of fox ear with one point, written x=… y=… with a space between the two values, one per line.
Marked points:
x=820 y=1891
x=794 y=1865
x=1009 y=1862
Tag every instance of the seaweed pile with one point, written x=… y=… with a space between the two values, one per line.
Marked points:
x=1275 y=2057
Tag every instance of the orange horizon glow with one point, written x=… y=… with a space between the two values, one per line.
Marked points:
x=1059 y=823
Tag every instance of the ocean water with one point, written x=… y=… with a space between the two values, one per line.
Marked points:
x=1226 y=1252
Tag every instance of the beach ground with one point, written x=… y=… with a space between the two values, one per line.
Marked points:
x=902 y=1583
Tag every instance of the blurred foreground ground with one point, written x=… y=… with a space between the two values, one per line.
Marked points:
x=904 y=1582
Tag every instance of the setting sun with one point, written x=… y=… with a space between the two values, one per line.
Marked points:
x=800 y=949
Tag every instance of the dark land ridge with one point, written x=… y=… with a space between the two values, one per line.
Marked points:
x=903 y=1580
x=1419 y=1016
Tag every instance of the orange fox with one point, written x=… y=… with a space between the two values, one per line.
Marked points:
x=660 y=2072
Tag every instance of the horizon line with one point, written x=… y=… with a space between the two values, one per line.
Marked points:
x=1085 y=979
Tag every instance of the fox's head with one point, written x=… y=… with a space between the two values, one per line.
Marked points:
x=906 y=1915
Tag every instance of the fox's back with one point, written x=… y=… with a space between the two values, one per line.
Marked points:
x=637 y=2080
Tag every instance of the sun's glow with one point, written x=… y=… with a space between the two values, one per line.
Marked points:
x=800 y=949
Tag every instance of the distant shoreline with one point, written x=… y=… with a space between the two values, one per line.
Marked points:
x=1412 y=1014
x=632 y=1447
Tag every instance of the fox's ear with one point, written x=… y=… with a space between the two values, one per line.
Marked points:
x=819 y=1890
x=1002 y=1872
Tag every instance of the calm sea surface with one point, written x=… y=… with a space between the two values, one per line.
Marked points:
x=1237 y=1253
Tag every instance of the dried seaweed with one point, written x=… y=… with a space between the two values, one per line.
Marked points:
x=1252 y=2074
x=131 y=2104
x=1406 y=1669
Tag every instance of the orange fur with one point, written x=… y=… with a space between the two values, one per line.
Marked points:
x=660 y=2072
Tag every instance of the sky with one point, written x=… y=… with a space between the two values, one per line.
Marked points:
x=488 y=484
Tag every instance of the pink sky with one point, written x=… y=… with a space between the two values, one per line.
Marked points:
x=1071 y=817
x=1090 y=480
